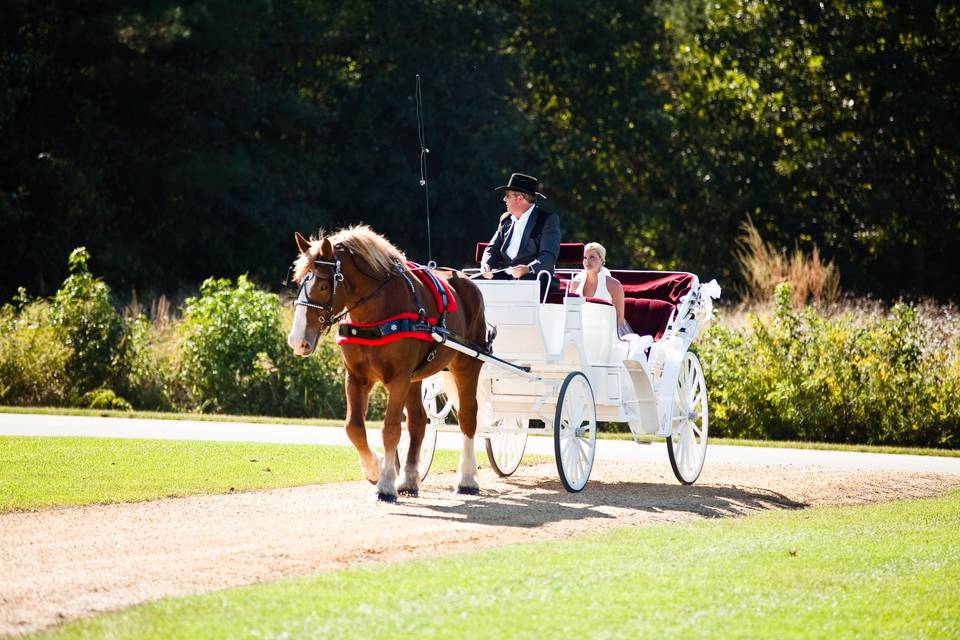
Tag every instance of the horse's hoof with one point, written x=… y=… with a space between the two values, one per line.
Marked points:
x=468 y=491
x=413 y=493
x=386 y=497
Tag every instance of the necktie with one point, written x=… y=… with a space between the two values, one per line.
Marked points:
x=507 y=236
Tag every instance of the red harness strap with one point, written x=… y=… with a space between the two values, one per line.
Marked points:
x=403 y=325
x=398 y=327
x=433 y=283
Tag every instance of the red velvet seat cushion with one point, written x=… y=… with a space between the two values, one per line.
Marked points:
x=659 y=285
x=647 y=316
x=650 y=298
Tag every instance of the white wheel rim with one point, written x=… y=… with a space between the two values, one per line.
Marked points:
x=435 y=402
x=690 y=421
x=508 y=440
x=578 y=432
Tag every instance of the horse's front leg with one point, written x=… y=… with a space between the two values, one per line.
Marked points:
x=396 y=395
x=409 y=483
x=465 y=377
x=357 y=395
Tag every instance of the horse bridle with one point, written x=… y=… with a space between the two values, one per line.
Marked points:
x=336 y=276
x=303 y=300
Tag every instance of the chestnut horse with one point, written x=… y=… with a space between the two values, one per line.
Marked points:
x=359 y=272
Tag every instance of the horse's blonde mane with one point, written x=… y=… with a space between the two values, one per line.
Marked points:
x=361 y=240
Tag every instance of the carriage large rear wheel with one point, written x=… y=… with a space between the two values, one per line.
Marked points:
x=505 y=445
x=690 y=421
x=575 y=431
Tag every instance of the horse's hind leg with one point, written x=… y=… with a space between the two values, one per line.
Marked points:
x=396 y=395
x=357 y=396
x=409 y=483
x=465 y=374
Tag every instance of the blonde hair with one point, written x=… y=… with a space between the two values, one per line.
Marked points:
x=359 y=239
x=596 y=246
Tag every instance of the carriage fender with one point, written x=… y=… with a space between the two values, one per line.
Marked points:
x=643 y=398
x=670 y=353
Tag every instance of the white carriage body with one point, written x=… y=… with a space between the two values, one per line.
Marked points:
x=650 y=382
x=553 y=339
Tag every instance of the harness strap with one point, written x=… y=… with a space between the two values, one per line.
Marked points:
x=398 y=327
x=413 y=290
x=405 y=325
x=442 y=294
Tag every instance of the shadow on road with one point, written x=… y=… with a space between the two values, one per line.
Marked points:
x=532 y=503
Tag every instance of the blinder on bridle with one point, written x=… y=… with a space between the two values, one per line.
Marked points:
x=303 y=299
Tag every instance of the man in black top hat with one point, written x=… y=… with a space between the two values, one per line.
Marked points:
x=528 y=237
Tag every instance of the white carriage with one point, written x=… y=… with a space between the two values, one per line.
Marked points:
x=558 y=368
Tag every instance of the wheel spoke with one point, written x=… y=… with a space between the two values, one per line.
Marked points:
x=570 y=458
x=698 y=399
x=581 y=449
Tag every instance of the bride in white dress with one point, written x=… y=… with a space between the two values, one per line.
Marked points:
x=595 y=281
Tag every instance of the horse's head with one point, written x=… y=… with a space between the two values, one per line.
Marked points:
x=319 y=299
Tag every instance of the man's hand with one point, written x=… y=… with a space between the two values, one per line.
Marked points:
x=486 y=272
x=519 y=271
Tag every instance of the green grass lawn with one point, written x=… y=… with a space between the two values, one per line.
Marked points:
x=329 y=422
x=165 y=415
x=47 y=472
x=881 y=571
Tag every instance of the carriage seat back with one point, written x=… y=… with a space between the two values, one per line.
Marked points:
x=650 y=298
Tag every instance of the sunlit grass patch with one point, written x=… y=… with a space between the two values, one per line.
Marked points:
x=47 y=472
x=881 y=571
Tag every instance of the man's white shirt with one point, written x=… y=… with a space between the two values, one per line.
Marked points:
x=516 y=235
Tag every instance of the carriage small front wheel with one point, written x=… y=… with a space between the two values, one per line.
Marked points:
x=690 y=421
x=575 y=431
x=505 y=445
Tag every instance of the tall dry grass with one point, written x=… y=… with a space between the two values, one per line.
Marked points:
x=764 y=266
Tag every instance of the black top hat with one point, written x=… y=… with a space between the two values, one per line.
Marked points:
x=523 y=183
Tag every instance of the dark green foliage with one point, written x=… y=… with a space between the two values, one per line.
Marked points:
x=183 y=140
x=826 y=121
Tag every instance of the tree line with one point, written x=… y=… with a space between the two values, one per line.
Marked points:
x=181 y=140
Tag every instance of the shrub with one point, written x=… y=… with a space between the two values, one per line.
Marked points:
x=862 y=378
x=85 y=319
x=151 y=356
x=105 y=399
x=33 y=357
x=226 y=333
x=234 y=356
